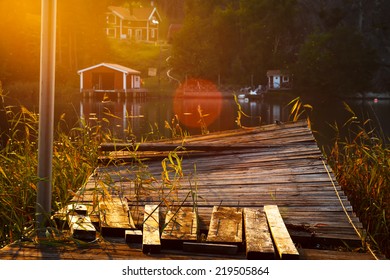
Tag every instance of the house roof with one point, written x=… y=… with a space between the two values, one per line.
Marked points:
x=135 y=14
x=276 y=72
x=113 y=66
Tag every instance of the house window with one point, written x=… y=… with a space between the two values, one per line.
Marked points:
x=111 y=19
x=152 y=33
x=110 y=32
x=130 y=33
x=285 y=79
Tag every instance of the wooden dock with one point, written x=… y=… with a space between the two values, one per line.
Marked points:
x=245 y=170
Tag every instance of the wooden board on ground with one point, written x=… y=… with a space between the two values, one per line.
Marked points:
x=180 y=225
x=225 y=225
x=133 y=236
x=280 y=235
x=115 y=217
x=258 y=239
x=81 y=227
x=151 y=233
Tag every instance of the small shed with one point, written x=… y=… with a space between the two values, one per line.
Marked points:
x=109 y=77
x=278 y=79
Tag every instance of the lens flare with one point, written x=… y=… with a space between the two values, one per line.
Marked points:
x=197 y=102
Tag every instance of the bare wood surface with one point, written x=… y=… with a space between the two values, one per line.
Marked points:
x=115 y=217
x=133 y=236
x=180 y=224
x=258 y=241
x=283 y=242
x=225 y=225
x=81 y=227
x=151 y=230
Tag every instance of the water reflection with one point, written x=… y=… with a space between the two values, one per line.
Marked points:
x=148 y=118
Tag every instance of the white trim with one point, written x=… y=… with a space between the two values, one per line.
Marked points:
x=117 y=67
x=81 y=81
x=124 y=81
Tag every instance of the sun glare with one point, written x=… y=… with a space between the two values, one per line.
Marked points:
x=197 y=101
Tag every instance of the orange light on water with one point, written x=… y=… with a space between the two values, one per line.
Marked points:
x=197 y=101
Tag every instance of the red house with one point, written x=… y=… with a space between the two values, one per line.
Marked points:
x=139 y=24
x=109 y=77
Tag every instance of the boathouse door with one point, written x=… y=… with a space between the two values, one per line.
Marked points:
x=103 y=81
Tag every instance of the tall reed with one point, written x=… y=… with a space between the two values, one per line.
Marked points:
x=361 y=162
x=74 y=158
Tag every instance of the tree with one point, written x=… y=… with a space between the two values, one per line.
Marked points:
x=337 y=61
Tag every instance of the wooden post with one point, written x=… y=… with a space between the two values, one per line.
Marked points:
x=46 y=114
x=279 y=232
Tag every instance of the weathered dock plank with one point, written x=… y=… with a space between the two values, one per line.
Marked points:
x=133 y=236
x=258 y=241
x=225 y=225
x=283 y=242
x=81 y=227
x=151 y=231
x=115 y=217
x=181 y=224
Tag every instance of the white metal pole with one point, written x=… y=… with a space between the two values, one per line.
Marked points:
x=46 y=113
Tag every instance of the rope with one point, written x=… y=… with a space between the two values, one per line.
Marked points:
x=345 y=210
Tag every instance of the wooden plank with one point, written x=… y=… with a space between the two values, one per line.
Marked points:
x=80 y=209
x=81 y=227
x=180 y=224
x=210 y=248
x=115 y=217
x=133 y=236
x=225 y=225
x=283 y=242
x=258 y=241
x=151 y=230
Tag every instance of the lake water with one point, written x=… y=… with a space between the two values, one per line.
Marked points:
x=148 y=118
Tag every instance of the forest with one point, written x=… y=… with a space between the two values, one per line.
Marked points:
x=338 y=46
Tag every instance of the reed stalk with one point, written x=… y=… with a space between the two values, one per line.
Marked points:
x=361 y=162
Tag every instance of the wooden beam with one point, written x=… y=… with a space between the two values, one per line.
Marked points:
x=115 y=217
x=283 y=242
x=151 y=230
x=225 y=225
x=133 y=236
x=258 y=239
x=80 y=209
x=180 y=225
x=81 y=227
